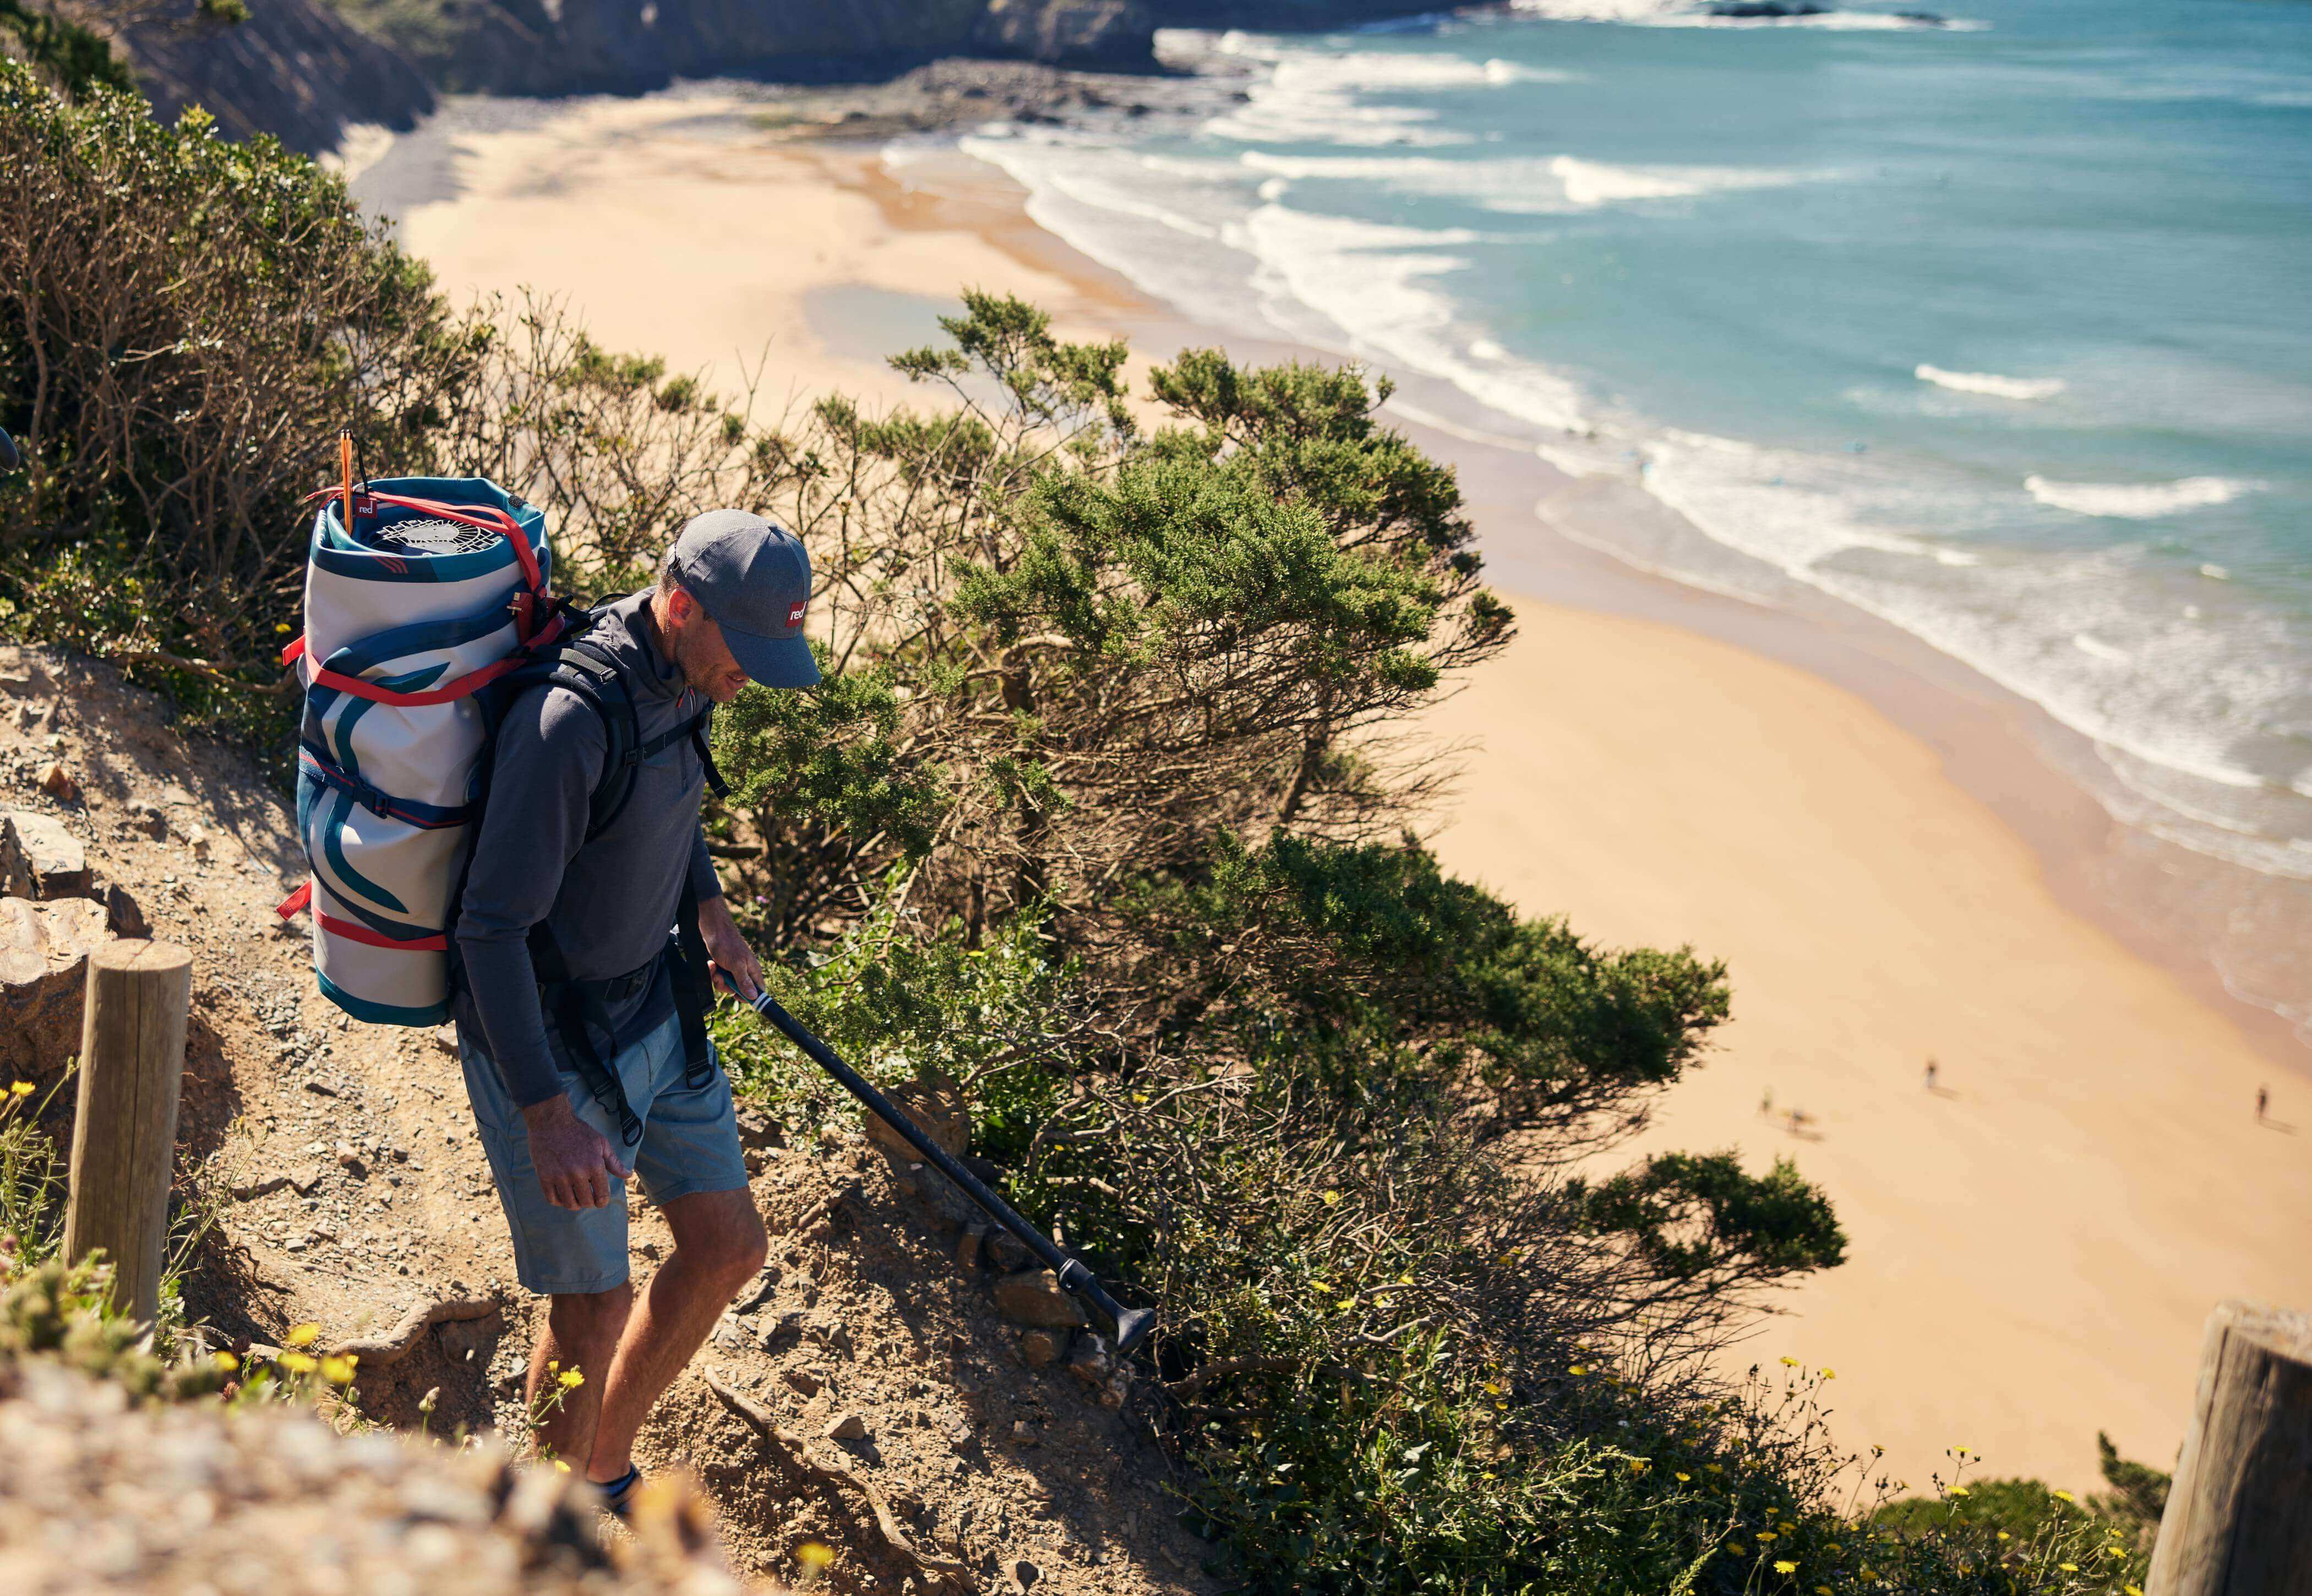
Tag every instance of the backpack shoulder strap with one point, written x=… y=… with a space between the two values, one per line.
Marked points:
x=590 y=673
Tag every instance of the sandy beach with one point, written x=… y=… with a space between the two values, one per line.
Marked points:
x=2036 y=1242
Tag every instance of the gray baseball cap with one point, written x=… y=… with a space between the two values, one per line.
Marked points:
x=753 y=579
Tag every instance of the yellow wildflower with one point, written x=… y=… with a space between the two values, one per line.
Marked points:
x=297 y=1363
x=1784 y=1566
x=560 y=1467
x=227 y=1362
x=1766 y=1535
x=1714 y=1468
x=1831 y=1548
x=2063 y=1495
x=1960 y=1491
x=813 y=1556
x=1639 y=1465
x=1685 y=1479
x=1830 y=1374
x=570 y=1379
x=1790 y=1363
x=2002 y=1535
x=1577 y=1369
x=1332 y=1200
x=304 y=1335
x=2116 y=1551
x=1492 y=1389
x=20 y=1088
x=338 y=1370
x=2069 y=1567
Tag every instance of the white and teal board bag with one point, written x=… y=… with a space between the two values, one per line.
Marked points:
x=429 y=590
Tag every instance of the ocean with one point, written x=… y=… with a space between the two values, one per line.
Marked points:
x=1996 y=324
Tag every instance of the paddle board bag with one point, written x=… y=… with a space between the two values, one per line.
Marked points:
x=436 y=590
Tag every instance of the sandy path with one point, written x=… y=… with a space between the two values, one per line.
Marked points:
x=2034 y=1248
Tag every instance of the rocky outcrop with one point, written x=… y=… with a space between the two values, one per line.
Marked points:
x=296 y=69
x=44 y=950
x=1118 y=35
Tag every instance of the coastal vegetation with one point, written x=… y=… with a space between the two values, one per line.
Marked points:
x=1105 y=814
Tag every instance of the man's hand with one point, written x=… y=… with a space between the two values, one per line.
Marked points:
x=728 y=956
x=573 y=1162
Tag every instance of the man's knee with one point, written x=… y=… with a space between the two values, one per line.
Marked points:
x=737 y=1255
x=584 y=1318
x=721 y=1234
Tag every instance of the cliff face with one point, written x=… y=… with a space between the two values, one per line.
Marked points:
x=303 y=70
x=559 y=46
x=296 y=70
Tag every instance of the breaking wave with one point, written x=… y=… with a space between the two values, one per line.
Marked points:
x=2135 y=501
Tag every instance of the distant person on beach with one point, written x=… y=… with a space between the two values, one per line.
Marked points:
x=1930 y=1075
x=1766 y=1104
x=2262 y=1101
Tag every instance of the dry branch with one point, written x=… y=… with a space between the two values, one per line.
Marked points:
x=383 y=1352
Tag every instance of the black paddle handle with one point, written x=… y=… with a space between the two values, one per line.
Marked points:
x=1130 y=1325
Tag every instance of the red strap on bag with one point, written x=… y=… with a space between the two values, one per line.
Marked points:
x=352 y=932
x=471 y=683
x=302 y=898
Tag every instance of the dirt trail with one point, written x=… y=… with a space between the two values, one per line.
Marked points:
x=351 y=1187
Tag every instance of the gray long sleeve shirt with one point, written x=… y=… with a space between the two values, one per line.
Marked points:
x=610 y=903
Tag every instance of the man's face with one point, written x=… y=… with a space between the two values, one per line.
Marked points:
x=699 y=651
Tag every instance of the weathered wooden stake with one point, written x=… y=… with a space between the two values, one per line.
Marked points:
x=2239 y=1515
x=132 y=1053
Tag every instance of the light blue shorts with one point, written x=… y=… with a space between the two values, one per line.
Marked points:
x=689 y=1143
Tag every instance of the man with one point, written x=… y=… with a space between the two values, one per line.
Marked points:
x=582 y=1059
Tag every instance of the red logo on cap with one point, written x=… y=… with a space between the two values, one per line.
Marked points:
x=794 y=615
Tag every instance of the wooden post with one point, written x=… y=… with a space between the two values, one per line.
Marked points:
x=2239 y=1515
x=132 y=1062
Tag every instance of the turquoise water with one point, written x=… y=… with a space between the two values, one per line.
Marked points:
x=2002 y=330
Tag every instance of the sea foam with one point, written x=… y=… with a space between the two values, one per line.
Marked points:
x=1991 y=383
x=2138 y=501
x=1692 y=14
x=1530 y=186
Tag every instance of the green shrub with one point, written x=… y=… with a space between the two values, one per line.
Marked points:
x=73 y=58
x=187 y=322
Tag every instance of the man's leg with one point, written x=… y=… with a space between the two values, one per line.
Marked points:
x=580 y=1333
x=718 y=1246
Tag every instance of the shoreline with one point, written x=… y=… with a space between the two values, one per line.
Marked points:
x=1872 y=834
x=1998 y=746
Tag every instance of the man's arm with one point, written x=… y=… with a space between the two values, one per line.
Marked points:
x=549 y=755
x=728 y=956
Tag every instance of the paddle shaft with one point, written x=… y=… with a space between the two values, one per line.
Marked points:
x=1130 y=1325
